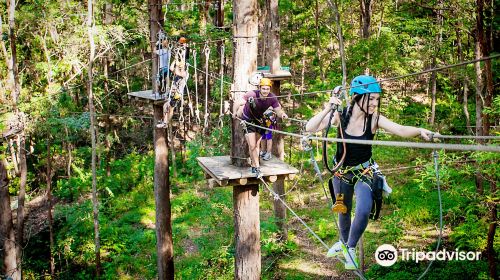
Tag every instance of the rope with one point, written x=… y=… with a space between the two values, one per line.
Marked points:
x=455 y=147
x=207 y=56
x=436 y=169
x=197 y=110
x=215 y=76
x=221 y=122
x=397 y=77
x=489 y=137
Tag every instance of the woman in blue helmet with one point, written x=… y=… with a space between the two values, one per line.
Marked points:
x=360 y=120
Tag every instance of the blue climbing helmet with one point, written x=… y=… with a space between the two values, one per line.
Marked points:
x=364 y=84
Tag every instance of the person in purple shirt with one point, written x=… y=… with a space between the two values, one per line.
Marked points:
x=251 y=109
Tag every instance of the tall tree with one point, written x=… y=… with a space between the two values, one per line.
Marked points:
x=245 y=198
x=7 y=235
x=23 y=170
x=438 y=39
x=90 y=93
x=164 y=242
x=49 y=211
x=366 y=15
x=278 y=142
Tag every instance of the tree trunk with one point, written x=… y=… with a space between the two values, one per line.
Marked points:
x=164 y=242
x=466 y=81
x=203 y=7
x=245 y=198
x=366 y=14
x=479 y=85
x=247 y=232
x=49 y=212
x=490 y=249
x=303 y=70
x=16 y=88
x=278 y=141
x=264 y=29
x=486 y=43
x=433 y=82
x=336 y=14
x=245 y=33
x=439 y=38
x=318 y=41
x=95 y=202
x=7 y=235
x=108 y=20
x=23 y=169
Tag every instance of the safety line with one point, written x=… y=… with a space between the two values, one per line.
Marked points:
x=436 y=169
x=397 y=77
x=456 y=147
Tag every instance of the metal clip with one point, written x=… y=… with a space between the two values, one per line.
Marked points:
x=305 y=143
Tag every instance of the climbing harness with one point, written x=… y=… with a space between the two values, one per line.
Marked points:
x=197 y=109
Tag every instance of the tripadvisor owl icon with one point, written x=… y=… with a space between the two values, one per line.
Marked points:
x=386 y=255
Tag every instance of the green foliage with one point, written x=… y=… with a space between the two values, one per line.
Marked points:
x=440 y=270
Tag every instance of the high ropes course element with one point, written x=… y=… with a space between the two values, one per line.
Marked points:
x=306 y=138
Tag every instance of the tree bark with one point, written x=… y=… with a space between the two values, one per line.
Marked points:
x=247 y=232
x=336 y=15
x=23 y=169
x=318 y=40
x=366 y=14
x=164 y=242
x=245 y=33
x=486 y=43
x=16 y=88
x=245 y=198
x=490 y=249
x=95 y=202
x=7 y=235
x=108 y=20
x=466 y=81
x=439 y=38
x=49 y=211
x=479 y=85
x=278 y=141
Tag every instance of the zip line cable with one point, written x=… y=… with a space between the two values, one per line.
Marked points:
x=397 y=77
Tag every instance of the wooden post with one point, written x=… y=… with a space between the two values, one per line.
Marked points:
x=245 y=198
x=7 y=227
x=164 y=244
x=247 y=232
x=278 y=141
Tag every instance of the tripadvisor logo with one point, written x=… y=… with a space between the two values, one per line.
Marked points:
x=387 y=255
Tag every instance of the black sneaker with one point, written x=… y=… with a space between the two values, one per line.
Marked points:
x=254 y=170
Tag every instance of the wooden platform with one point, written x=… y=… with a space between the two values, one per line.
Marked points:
x=224 y=173
x=283 y=74
x=146 y=95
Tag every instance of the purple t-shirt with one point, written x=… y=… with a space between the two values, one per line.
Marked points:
x=261 y=104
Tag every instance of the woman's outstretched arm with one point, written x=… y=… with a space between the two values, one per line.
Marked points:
x=403 y=130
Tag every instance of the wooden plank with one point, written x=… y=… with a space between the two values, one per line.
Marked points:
x=281 y=75
x=220 y=168
x=147 y=95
